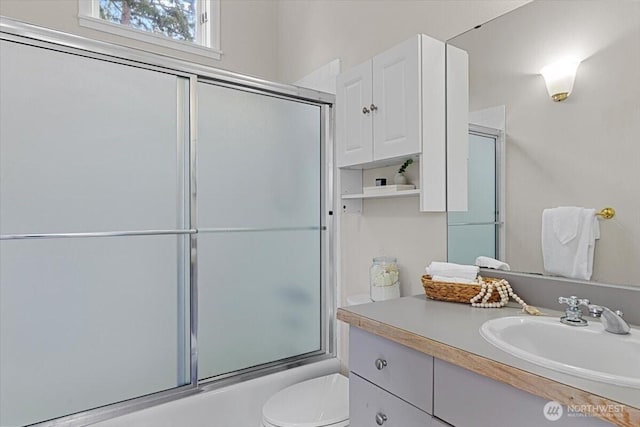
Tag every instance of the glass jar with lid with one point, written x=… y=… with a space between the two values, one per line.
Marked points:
x=384 y=279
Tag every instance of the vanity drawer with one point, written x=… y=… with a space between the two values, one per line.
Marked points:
x=371 y=406
x=405 y=372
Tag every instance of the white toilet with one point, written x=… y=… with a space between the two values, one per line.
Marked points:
x=319 y=402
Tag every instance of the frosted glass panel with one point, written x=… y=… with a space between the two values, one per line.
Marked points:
x=482 y=182
x=259 y=297
x=473 y=233
x=88 y=321
x=258 y=160
x=86 y=145
x=258 y=167
x=468 y=242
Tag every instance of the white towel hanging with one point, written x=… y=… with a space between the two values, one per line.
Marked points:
x=568 y=241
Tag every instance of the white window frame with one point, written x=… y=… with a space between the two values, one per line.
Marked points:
x=208 y=34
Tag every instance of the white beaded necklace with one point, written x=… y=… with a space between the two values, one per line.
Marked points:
x=504 y=289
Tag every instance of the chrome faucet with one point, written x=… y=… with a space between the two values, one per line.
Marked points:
x=573 y=312
x=612 y=321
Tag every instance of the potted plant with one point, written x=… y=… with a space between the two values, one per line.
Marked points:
x=399 y=178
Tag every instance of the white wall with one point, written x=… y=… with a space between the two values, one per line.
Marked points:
x=312 y=33
x=248 y=32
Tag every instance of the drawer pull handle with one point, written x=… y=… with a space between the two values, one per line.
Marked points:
x=380 y=418
x=380 y=363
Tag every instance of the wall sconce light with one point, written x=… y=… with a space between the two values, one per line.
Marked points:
x=559 y=78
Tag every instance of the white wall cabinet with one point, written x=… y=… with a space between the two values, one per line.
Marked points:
x=354 y=127
x=391 y=108
x=378 y=105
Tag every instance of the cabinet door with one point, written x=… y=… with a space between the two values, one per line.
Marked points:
x=401 y=370
x=370 y=405
x=396 y=96
x=466 y=399
x=354 y=141
x=457 y=129
x=433 y=162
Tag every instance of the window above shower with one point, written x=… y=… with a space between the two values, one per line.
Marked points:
x=189 y=25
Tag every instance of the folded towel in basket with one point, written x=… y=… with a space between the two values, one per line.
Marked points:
x=468 y=273
x=453 y=280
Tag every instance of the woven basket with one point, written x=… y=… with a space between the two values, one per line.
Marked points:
x=455 y=292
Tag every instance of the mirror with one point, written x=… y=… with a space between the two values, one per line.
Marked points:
x=583 y=151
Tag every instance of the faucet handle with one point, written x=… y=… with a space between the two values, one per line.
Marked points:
x=573 y=301
x=567 y=300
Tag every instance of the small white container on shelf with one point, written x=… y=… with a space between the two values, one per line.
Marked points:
x=384 y=279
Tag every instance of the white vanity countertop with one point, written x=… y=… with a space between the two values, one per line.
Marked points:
x=450 y=331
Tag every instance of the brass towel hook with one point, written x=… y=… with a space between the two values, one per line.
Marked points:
x=607 y=213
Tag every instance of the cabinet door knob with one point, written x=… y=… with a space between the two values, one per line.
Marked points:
x=365 y=110
x=373 y=107
x=380 y=418
x=380 y=363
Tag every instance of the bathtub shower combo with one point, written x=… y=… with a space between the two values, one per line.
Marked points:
x=163 y=234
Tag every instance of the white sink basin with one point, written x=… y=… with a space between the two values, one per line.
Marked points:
x=583 y=351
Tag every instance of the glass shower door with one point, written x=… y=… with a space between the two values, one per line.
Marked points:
x=259 y=229
x=475 y=232
x=94 y=287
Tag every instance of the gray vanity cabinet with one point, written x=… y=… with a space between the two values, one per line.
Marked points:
x=370 y=405
x=389 y=384
x=393 y=385
x=400 y=370
x=466 y=399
